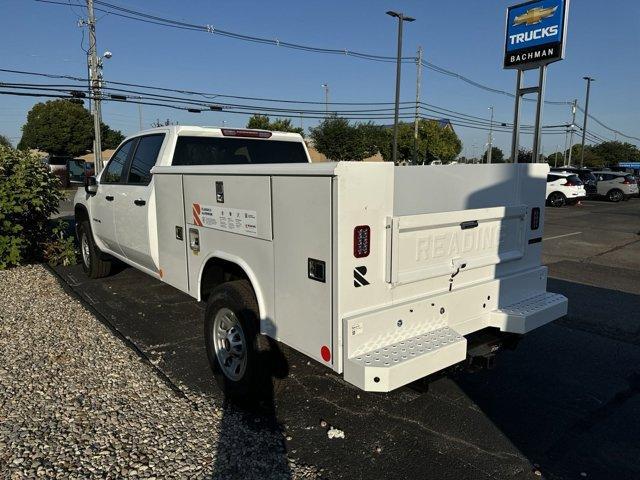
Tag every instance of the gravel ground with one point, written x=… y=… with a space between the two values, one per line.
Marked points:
x=77 y=402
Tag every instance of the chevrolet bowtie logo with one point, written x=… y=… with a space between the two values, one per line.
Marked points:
x=534 y=15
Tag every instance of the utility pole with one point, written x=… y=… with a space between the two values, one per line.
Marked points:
x=574 y=109
x=326 y=98
x=555 y=163
x=418 y=86
x=95 y=88
x=140 y=115
x=401 y=19
x=490 y=143
x=586 y=115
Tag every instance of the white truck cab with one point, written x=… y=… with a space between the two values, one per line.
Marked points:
x=384 y=274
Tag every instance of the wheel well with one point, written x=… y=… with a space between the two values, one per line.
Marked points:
x=81 y=215
x=615 y=190
x=218 y=271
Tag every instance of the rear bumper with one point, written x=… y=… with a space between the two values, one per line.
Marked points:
x=390 y=358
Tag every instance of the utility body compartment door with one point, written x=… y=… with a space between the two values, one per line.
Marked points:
x=302 y=236
x=172 y=234
x=425 y=246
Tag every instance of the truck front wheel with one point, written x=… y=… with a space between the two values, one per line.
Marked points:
x=92 y=263
x=240 y=357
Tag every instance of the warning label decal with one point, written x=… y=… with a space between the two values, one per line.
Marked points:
x=224 y=218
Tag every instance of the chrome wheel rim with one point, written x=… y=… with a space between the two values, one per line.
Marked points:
x=84 y=248
x=230 y=344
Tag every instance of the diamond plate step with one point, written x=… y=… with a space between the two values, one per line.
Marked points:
x=397 y=364
x=528 y=314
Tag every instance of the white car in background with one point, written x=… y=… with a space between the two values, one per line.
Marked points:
x=616 y=186
x=564 y=188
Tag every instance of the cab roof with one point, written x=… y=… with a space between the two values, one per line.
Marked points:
x=197 y=131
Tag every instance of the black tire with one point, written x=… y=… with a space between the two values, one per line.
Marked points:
x=93 y=263
x=615 y=195
x=556 y=199
x=256 y=382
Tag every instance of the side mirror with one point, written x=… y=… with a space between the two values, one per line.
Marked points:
x=90 y=185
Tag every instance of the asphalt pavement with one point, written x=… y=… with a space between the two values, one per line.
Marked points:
x=565 y=404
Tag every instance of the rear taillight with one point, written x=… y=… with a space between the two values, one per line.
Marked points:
x=535 y=218
x=570 y=184
x=628 y=182
x=361 y=241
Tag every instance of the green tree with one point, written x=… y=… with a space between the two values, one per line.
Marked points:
x=259 y=122
x=435 y=142
x=497 y=155
x=4 y=141
x=591 y=157
x=338 y=140
x=613 y=152
x=110 y=138
x=262 y=122
x=63 y=127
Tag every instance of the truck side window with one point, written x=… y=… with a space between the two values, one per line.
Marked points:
x=144 y=159
x=113 y=172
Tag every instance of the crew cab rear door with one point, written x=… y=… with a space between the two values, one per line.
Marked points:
x=103 y=204
x=134 y=229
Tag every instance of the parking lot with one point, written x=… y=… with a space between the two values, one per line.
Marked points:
x=565 y=404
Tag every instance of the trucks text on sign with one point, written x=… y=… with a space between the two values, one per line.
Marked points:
x=535 y=33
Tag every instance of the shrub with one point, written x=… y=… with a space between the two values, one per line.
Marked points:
x=29 y=194
x=60 y=248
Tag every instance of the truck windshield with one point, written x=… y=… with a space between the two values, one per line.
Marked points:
x=235 y=151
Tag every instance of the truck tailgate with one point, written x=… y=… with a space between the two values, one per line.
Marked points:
x=425 y=246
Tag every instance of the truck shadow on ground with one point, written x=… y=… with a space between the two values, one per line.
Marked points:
x=254 y=454
x=566 y=399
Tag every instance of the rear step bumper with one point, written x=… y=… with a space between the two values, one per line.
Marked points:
x=391 y=366
x=524 y=316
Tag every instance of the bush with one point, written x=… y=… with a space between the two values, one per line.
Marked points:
x=60 y=249
x=29 y=194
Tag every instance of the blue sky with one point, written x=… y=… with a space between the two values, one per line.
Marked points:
x=465 y=36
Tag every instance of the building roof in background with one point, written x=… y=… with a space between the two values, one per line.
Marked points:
x=89 y=157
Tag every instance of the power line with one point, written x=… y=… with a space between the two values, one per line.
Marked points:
x=609 y=128
x=210 y=29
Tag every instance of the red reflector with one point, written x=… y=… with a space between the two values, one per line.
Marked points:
x=234 y=132
x=325 y=353
x=361 y=241
x=535 y=218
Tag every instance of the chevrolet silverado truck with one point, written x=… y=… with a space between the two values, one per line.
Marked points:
x=384 y=274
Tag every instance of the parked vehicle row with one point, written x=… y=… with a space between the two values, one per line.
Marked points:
x=569 y=185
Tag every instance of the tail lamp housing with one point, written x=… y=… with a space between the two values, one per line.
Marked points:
x=535 y=218
x=361 y=241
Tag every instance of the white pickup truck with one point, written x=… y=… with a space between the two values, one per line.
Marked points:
x=384 y=274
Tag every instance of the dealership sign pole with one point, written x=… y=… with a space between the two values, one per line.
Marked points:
x=536 y=32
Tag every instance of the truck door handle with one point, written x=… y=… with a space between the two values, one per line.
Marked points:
x=109 y=198
x=139 y=202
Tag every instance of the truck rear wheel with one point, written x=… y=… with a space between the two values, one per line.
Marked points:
x=241 y=358
x=92 y=262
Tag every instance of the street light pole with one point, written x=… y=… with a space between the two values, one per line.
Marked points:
x=490 y=144
x=417 y=118
x=586 y=115
x=401 y=19
x=574 y=108
x=326 y=98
